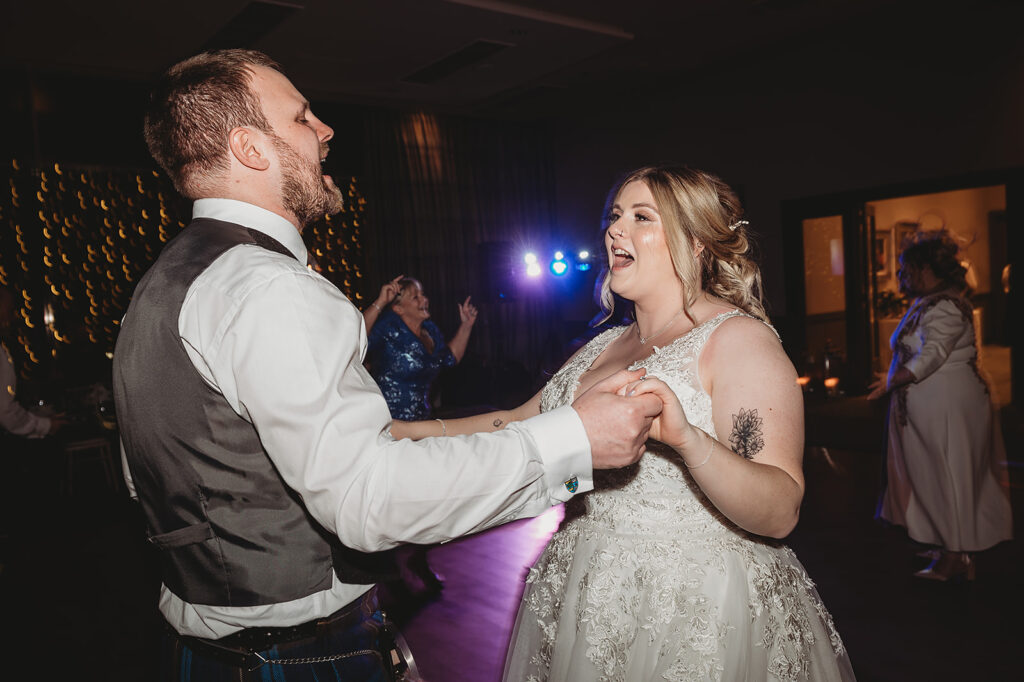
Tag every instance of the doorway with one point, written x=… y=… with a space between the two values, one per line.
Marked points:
x=976 y=217
x=842 y=254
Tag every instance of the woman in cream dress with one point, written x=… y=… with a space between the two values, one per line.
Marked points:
x=671 y=569
x=945 y=451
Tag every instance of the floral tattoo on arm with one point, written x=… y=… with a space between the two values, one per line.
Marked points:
x=747 y=438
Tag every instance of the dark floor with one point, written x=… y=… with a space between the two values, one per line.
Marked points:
x=78 y=586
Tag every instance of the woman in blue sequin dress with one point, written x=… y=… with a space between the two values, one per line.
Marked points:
x=406 y=352
x=406 y=349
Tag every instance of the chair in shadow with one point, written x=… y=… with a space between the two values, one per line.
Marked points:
x=90 y=451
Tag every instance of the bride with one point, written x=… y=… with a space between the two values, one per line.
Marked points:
x=672 y=570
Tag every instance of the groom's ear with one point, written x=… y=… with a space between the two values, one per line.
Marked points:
x=248 y=147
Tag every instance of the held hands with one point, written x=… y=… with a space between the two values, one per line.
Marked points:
x=467 y=312
x=617 y=426
x=671 y=427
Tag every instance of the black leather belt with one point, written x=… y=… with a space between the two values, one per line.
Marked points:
x=241 y=649
x=261 y=638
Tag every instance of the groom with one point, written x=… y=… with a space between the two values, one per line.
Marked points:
x=256 y=443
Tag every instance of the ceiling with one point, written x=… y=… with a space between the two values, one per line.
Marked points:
x=478 y=57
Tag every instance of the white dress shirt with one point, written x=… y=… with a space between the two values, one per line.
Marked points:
x=285 y=348
x=13 y=417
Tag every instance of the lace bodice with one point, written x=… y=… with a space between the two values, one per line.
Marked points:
x=656 y=494
x=650 y=582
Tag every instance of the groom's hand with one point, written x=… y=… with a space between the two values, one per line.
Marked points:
x=616 y=426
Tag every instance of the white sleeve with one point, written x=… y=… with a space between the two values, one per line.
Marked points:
x=940 y=328
x=13 y=417
x=128 y=482
x=289 y=358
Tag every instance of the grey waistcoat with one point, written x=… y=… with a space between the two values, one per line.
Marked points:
x=231 y=533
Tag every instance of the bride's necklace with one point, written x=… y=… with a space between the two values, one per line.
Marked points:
x=645 y=339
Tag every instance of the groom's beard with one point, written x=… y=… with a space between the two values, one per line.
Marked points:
x=304 y=191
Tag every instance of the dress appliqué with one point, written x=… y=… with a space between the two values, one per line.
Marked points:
x=647 y=580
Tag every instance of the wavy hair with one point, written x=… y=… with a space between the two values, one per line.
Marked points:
x=939 y=250
x=697 y=207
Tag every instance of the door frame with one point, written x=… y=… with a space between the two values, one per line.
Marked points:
x=856 y=255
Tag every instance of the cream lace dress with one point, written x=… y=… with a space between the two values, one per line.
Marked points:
x=646 y=580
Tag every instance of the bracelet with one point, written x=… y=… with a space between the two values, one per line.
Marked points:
x=711 y=451
x=374 y=304
x=444 y=429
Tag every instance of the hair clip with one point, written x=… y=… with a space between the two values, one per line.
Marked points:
x=738 y=223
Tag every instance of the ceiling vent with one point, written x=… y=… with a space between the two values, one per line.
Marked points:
x=255 y=21
x=471 y=54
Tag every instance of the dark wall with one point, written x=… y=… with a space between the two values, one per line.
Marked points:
x=72 y=119
x=83 y=120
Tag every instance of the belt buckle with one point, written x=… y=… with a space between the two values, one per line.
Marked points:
x=402 y=662
x=248 y=659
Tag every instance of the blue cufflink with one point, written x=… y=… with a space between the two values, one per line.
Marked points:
x=572 y=484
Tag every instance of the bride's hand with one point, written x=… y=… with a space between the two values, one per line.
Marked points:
x=671 y=427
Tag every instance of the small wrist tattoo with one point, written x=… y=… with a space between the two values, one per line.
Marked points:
x=497 y=423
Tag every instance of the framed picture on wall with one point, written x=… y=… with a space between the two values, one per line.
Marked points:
x=904 y=229
x=882 y=254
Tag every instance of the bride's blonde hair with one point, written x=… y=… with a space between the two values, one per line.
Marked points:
x=697 y=208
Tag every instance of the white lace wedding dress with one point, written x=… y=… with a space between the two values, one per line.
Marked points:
x=646 y=580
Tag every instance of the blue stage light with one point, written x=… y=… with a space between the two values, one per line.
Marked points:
x=559 y=267
x=584 y=255
x=559 y=255
x=583 y=267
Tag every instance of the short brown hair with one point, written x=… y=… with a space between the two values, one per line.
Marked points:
x=194 y=106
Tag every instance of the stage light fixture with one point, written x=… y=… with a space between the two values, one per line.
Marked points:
x=584 y=255
x=533 y=270
x=530 y=258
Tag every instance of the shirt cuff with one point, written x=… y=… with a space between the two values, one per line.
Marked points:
x=564 y=449
x=918 y=366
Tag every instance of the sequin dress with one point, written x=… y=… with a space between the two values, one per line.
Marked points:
x=403 y=367
x=647 y=581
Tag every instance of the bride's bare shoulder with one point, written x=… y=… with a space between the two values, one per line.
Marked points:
x=741 y=339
